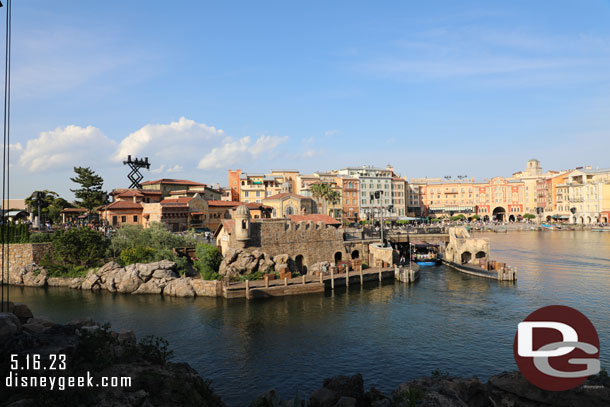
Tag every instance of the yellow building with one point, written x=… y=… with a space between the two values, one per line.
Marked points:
x=287 y=203
x=589 y=195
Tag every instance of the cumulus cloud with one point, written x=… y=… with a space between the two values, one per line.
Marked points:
x=168 y=144
x=236 y=151
x=65 y=147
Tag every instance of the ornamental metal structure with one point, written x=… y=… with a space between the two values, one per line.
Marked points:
x=135 y=176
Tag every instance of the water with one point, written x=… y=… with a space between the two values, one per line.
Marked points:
x=389 y=332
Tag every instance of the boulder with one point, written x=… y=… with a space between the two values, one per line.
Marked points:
x=323 y=266
x=258 y=254
x=90 y=280
x=108 y=267
x=9 y=324
x=267 y=265
x=129 y=281
x=152 y=286
x=350 y=386
x=164 y=273
x=179 y=287
x=268 y=398
x=36 y=278
x=127 y=337
x=22 y=312
x=345 y=401
x=251 y=267
x=281 y=259
x=204 y=288
x=231 y=255
x=323 y=398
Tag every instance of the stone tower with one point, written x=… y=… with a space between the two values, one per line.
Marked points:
x=533 y=168
x=242 y=226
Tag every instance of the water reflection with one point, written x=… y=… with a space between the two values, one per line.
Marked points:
x=388 y=332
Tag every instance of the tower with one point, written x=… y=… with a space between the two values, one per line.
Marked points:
x=242 y=226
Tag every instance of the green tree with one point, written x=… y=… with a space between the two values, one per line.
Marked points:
x=476 y=217
x=209 y=259
x=90 y=192
x=79 y=247
x=45 y=201
x=325 y=193
x=529 y=216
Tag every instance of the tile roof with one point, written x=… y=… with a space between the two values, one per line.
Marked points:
x=235 y=204
x=123 y=205
x=285 y=194
x=172 y=181
x=132 y=192
x=181 y=201
x=329 y=220
x=74 y=210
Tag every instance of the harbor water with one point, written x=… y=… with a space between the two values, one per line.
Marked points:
x=390 y=332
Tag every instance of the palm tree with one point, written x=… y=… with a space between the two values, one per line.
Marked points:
x=325 y=193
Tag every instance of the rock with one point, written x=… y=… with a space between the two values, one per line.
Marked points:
x=281 y=259
x=282 y=268
x=34 y=328
x=81 y=322
x=267 y=399
x=347 y=402
x=75 y=282
x=231 y=255
x=152 y=286
x=145 y=270
x=323 y=398
x=350 y=386
x=322 y=266
x=22 y=312
x=179 y=287
x=9 y=324
x=36 y=278
x=110 y=266
x=267 y=265
x=204 y=288
x=252 y=267
x=90 y=280
x=258 y=254
x=41 y=321
x=127 y=337
x=164 y=273
x=129 y=281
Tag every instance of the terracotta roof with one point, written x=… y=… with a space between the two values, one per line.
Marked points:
x=181 y=201
x=224 y=203
x=285 y=194
x=329 y=220
x=228 y=224
x=172 y=181
x=132 y=192
x=123 y=205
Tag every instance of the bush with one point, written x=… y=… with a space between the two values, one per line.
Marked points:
x=14 y=233
x=40 y=237
x=138 y=254
x=208 y=260
x=79 y=247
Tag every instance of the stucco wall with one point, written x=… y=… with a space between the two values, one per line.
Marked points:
x=20 y=255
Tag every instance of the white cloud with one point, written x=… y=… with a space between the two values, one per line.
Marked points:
x=168 y=144
x=64 y=148
x=329 y=133
x=237 y=151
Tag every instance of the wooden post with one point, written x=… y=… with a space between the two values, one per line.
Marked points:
x=347 y=278
x=266 y=281
x=303 y=277
x=380 y=273
x=247 y=288
x=332 y=277
x=361 y=277
x=285 y=281
x=321 y=278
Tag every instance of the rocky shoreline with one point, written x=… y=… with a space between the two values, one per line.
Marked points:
x=156 y=381
x=142 y=278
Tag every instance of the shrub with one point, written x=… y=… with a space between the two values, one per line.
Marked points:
x=40 y=237
x=138 y=254
x=208 y=259
x=14 y=233
x=79 y=247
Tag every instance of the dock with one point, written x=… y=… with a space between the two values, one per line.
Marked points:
x=503 y=274
x=310 y=284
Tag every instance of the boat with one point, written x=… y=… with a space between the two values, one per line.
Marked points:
x=600 y=229
x=425 y=254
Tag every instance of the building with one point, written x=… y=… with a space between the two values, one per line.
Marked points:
x=206 y=193
x=589 y=195
x=167 y=185
x=285 y=204
x=530 y=177
x=350 y=193
x=249 y=187
x=219 y=210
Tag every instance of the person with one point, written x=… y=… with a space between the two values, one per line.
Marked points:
x=402 y=259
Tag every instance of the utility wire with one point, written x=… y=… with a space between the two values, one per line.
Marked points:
x=6 y=162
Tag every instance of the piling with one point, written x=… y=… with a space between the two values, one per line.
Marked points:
x=247 y=288
x=303 y=278
x=266 y=281
x=332 y=278
x=347 y=278
x=380 y=274
x=285 y=281
x=361 y=277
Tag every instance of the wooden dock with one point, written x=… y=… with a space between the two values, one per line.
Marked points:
x=504 y=274
x=303 y=284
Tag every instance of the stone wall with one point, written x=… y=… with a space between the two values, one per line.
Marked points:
x=22 y=254
x=316 y=242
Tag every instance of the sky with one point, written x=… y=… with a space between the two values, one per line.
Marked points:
x=432 y=88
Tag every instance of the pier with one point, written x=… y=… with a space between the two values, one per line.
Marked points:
x=266 y=288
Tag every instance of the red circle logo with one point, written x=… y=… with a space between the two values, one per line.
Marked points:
x=556 y=348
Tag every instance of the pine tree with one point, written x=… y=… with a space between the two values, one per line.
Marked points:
x=90 y=194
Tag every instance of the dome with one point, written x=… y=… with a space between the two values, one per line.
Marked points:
x=242 y=210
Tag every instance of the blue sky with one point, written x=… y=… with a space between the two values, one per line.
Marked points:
x=441 y=88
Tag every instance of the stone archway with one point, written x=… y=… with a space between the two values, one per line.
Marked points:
x=588 y=220
x=298 y=264
x=486 y=218
x=605 y=219
x=549 y=218
x=511 y=218
x=466 y=257
x=480 y=255
x=499 y=213
x=338 y=257
x=355 y=254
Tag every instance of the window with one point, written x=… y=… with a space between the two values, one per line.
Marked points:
x=245 y=193
x=123 y=219
x=135 y=218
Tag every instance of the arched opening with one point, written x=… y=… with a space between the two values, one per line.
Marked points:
x=338 y=257
x=588 y=219
x=548 y=218
x=605 y=219
x=486 y=218
x=244 y=224
x=480 y=255
x=499 y=214
x=581 y=220
x=355 y=254
x=298 y=263
x=290 y=210
x=466 y=257
x=511 y=218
